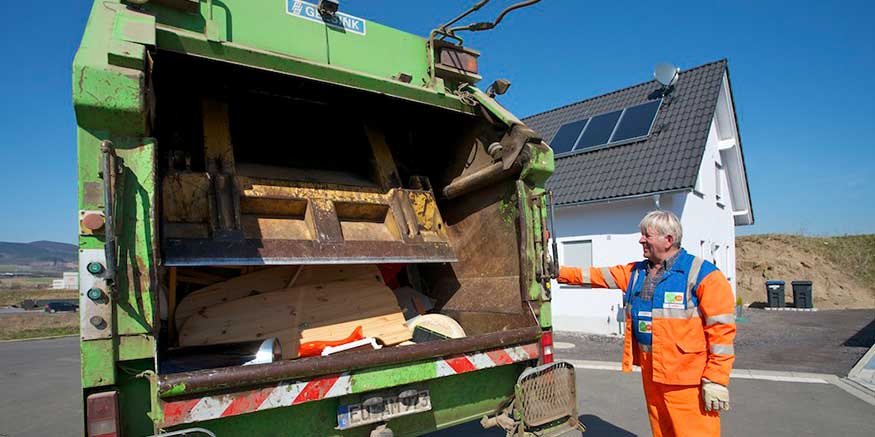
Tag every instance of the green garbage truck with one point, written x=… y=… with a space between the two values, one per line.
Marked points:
x=225 y=145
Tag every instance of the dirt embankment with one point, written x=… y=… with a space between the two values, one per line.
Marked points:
x=842 y=269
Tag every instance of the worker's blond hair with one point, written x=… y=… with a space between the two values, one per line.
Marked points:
x=665 y=223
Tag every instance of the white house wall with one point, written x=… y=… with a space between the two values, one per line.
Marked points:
x=709 y=227
x=612 y=227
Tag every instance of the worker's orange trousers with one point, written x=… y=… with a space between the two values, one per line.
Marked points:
x=676 y=410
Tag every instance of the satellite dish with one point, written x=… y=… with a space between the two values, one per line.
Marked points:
x=666 y=74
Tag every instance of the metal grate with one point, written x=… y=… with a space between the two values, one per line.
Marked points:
x=547 y=393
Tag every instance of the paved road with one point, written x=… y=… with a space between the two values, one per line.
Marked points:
x=39 y=388
x=612 y=404
x=10 y=310
x=40 y=397
x=820 y=342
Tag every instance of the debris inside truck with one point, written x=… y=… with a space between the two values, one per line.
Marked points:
x=186 y=359
x=308 y=309
x=301 y=314
x=413 y=303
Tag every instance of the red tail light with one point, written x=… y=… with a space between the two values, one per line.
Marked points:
x=459 y=59
x=101 y=415
x=455 y=62
x=547 y=347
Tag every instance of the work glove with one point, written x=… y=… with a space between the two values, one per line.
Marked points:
x=715 y=396
x=570 y=275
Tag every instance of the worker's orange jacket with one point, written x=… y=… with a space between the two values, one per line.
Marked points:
x=691 y=341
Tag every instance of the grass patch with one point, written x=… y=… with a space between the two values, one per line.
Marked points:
x=41 y=332
x=30 y=283
x=14 y=297
x=37 y=324
x=854 y=252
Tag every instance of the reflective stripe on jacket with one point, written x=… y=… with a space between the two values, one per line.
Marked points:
x=690 y=341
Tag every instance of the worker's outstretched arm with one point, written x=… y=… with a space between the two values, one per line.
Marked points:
x=717 y=307
x=616 y=277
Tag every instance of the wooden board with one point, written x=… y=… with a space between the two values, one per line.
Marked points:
x=302 y=313
x=269 y=280
x=261 y=281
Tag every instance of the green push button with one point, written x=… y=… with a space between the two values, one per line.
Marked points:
x=95 y=268
x=95 y=294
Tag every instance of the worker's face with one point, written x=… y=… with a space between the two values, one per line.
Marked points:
x=656 y=247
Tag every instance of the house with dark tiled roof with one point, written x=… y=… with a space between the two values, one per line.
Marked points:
x=631 y=151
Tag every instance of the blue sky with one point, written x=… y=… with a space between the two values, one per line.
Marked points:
x=801 y=74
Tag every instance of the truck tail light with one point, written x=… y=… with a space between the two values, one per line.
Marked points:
x=458 y=59
x=101 y=415
x=455 y=62
x=547 y=347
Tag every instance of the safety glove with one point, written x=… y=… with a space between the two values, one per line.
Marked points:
x=715 y=396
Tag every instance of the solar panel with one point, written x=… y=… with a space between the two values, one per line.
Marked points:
x=566 y=136
x=625 y=124
x=598 y=131
x=636 y=121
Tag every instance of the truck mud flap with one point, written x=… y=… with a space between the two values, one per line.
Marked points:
x=546 y=399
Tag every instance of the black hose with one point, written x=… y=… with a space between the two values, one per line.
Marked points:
x=474 y=8
x=486 y=25
x=511 y=8
x=109 y=244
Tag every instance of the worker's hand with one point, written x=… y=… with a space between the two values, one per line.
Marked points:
x=569 y=275
x=715 y=396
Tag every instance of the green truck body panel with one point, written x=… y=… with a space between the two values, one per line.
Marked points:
x=111 y=102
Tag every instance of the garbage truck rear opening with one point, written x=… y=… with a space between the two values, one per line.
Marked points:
x=301 y=239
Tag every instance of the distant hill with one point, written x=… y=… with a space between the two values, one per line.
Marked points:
x=37 y=255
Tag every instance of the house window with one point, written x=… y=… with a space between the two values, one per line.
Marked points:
x=577 y=254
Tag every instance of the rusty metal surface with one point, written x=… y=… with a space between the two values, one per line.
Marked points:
x=482 y=178
x=249 y=376
x=92 y=194
x=186 y=197
x=193 y=252
x=484 y=322
x=281 y=222
x=523 y=244
x=514 y=142
x=482 y=229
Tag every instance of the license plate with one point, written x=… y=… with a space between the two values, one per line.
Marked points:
x=382 y=408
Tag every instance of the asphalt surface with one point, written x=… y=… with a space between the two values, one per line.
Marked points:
x=612 y=404
x=40 y=397
x=10 y=310
x=39 y=388
x=820 y=342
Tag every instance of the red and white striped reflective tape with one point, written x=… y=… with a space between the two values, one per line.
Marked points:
x=292 y=393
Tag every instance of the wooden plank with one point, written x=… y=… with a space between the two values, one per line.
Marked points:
x=318 y=274
x=303 y=313
x=261 y=281
x=268 y=280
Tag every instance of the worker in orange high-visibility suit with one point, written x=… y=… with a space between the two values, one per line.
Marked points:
x=680 y=328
